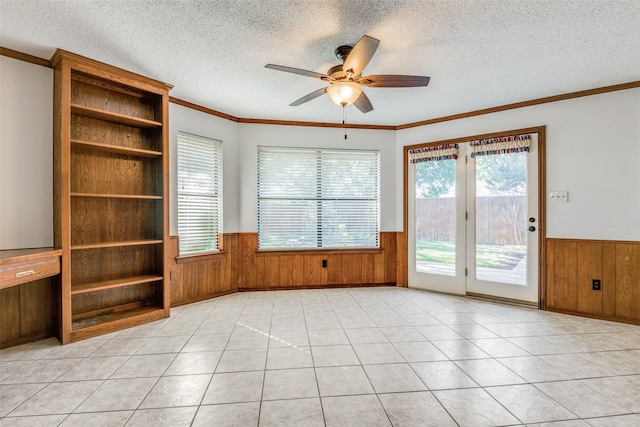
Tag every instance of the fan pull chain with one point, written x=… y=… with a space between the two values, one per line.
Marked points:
x=344 y=117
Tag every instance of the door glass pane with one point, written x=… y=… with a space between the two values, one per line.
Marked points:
x=435 y=227
x=501 y=223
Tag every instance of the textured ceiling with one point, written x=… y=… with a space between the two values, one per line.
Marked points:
x=479 y=54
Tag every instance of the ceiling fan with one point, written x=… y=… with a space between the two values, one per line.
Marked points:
x=346 y=80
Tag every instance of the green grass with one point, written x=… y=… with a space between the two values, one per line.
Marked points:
x=492 y=256
x=435 y=251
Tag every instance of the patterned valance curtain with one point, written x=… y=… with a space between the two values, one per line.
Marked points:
x=436 y=152
x=506 y=144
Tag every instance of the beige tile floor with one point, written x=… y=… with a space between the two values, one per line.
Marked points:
x=339 y=357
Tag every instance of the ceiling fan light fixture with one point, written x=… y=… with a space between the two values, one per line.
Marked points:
x=345 y=80
x=344 y=93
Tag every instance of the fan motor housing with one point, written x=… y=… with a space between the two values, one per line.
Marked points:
x=336 y=72
x=343 y=51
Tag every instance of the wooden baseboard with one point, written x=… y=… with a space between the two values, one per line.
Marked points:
x=594 y=316
x=201 y=298
x=26 y=339
x=340 y=286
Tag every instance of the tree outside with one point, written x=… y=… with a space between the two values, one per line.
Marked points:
x=435 y=179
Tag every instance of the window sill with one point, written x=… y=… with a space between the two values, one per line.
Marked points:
x=318 y=251
x=203 y=256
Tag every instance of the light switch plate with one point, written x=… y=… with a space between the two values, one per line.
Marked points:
x=559 y=196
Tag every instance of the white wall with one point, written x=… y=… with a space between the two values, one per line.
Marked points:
x=183 y=119
x=593 y=152
x=26 y=155
x=253 y=135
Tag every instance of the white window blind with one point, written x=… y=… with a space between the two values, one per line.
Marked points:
x=199 y=193
x=312 y=198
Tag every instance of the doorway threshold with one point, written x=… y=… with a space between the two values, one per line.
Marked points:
x=509 y=301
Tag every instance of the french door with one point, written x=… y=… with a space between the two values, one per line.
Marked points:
x=473 y=220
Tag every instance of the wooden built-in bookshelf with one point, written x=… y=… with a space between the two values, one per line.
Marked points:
x=110 y=196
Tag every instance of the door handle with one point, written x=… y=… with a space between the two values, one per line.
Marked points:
x=531 y=228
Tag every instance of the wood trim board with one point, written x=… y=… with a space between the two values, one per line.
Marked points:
x=522 y=104
x=10 y=53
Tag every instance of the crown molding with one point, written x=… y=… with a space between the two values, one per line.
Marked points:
x=513 y=106
x=538 y=101
x=10 y=53
x=202 y=109
x=317 y=124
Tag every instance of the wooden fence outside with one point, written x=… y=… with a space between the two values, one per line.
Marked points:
x=434 y=219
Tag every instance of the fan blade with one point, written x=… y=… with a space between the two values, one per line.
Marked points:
x=297 y=71
x=360 y=55
x=363 y=104
x=394 y=80
x=307 y=98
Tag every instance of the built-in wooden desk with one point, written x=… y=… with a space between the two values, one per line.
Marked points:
x=26 y=311
x=19 y=266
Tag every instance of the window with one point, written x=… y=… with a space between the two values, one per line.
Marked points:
x=312 y=198
x=199 y=193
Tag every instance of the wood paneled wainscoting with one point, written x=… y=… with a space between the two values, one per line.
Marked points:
x=240 y=266
x=196 y=278
x=26 y=312
x=304 y=268
x=573 y=265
